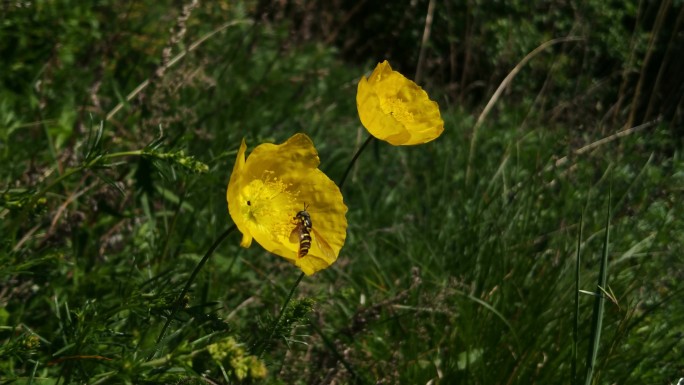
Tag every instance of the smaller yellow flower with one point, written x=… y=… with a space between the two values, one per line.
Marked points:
x=229 y=352
x=268 y=190
x=395 y=109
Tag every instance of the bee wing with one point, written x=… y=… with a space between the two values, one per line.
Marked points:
x=322 y=244
x=296 y=233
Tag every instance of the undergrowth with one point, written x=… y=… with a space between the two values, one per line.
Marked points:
x=111 y=194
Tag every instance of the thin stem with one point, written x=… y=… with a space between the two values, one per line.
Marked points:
x=124 y=153
x=183 y=292
x=575 y=328
x=331 y=345
x=55 y=182
x=294 y=287
x=280 y=316
x=497 y=94
x=173 y=61
x=353 y=161
x=424 y=41
x=75 y=170
x=599 y=301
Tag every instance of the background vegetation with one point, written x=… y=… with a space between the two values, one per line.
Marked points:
x=119 y=123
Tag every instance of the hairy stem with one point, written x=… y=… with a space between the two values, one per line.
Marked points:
x=280 y=316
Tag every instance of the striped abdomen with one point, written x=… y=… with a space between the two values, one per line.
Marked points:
x=304 y=241
x=304 y=227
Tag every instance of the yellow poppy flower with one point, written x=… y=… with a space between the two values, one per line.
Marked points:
x=397 y=110
x=271 y=186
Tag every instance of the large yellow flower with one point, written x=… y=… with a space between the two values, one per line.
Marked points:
x=268 y=189
x=397 y=110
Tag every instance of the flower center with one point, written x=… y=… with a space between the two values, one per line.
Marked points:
x=397 y=108
x=268 y=202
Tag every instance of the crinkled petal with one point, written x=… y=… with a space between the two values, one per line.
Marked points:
x=395 y=109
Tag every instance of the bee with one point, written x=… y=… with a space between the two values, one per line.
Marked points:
x=305 y=233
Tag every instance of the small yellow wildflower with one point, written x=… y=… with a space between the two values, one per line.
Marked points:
x=268 y=189
x=229 y=352
x=395 y=109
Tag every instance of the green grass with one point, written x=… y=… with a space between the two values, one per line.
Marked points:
x=441 y=280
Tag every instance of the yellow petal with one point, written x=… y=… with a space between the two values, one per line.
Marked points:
x=269 y=188
x=395 y=109
x=233 y=193
x=246 y=240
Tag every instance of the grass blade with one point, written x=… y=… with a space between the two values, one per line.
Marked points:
x=599 y=303
x=577 y=293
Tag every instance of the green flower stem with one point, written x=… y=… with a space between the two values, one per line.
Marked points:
x=161 y=361
x=280 y=316
x=186 y=288
x=294 y=287
x=353 y=161
x=125 y=153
